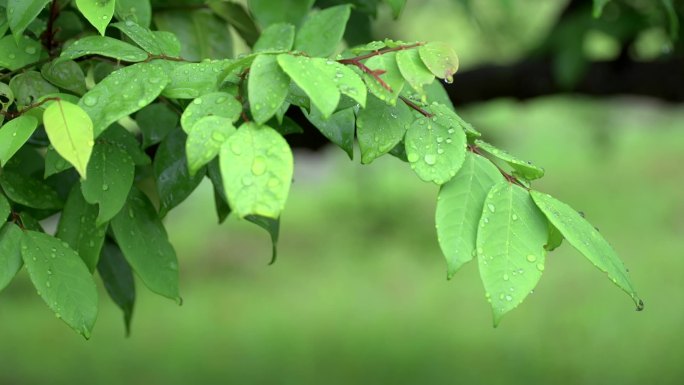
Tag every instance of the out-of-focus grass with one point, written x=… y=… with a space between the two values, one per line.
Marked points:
x=359 y=294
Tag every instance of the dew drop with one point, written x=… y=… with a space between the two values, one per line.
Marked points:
x=90 y=100
x=540 y=266
x=491 y=207
x=531 y=258
x=30 y=50
x=506 y=277
x=105 y=187
x=430 y=159
x=412 y=157
x=514 y=217
x=509 y=298
x=259 y=166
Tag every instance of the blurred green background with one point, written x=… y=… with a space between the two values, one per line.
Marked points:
x=359 y=293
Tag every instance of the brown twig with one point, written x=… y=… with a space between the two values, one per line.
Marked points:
x=14 y=114
x=375 y=74
x=510 y=178
x=415 y=107
x=49 y=34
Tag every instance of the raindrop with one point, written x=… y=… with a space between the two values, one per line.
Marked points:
x=506 y=277
x=197 y=101
x=514 y=217
x=430 y=159
x=540 y=266
x=259 y=166
x=247 y=180
x=105 y=187
x=30 y=50
x=90 y=100
x=491 y=207
x=509 y=298
x=412 y=157
x=531 y=258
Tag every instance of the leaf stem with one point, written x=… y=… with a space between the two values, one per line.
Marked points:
x=415 y=107
x=510 y=178
x=14 y=114
x=375 y=74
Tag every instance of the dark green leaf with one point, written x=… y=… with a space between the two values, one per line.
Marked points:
x=78 y=228
x=110 y=177
x=103 y=46
x=510 y=247
x=380 y=127
x=279 y=36
x=268 y=12
x=237 y=16
x=119 y=136
x=20 y=13
x=62 y=280
x=397 y=6
x=28 y=191
x=322 y=31
x=522 y=168
x=587 y=240
x=122 y=93
x=143 y=240
x=256 y=166
x=5 y=209
x=66 y=74
x=220 y=200
x=142 y=36
x=267 y=87
x=139 y=11
x=14 y=134
x=272 y=226
x=29 y=87
x=555 y=238
x=155 y=122
x=338 y=128
x=459 y=208
x=214 y=104
x=174 y=182
x=10 y=252
x=118 y=280
x=201 y=34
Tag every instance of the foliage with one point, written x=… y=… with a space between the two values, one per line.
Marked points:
x=94 y=111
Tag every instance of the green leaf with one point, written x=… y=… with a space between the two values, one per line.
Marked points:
x=117 y=277
x=459 y=208
x=397 y=6
x=445 y=111
x=174 y=182
x=78 y=228
x=189 y=81
x=103 y=46
x=313 y=77
x=205 y=140
x=239 y=19
x=14 y=56
x=322 y=31
x=29 y=87
x=54 y=163
x=66 y=74
x=440 y=59
x=14 y=134
x=521 y=168
x=673 y=19
x=201 y=34
x=413 y=70
x=71 y=133
x=6 y=98
x=143 y=240
x=140 y=11
x=28 y=191
x=214 y=104
x=142 y=36
x=279 y=36
x=20 y=13
x=122 y=93
x=510 y=247
x=119 y=136
x=267 y=87
x=98 y=12
x=380 y=127
x=338 y=128
x=168 y=42
x=110 y=177
x=555 y=238
x=10 y=252
x=5 y=209
x=435 y=146
x=587 y=240
x=273 y=227
x=268 y=12
x=155 y=122
x=392 y=79
x=257 y=167
x=62 y=280
x=220 y=199
x=598 y=7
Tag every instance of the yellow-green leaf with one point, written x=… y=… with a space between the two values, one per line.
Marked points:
x=70 y=131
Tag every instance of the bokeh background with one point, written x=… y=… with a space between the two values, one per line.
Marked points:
x=359 y=295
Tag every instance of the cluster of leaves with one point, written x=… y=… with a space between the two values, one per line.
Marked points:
x=112 y=125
